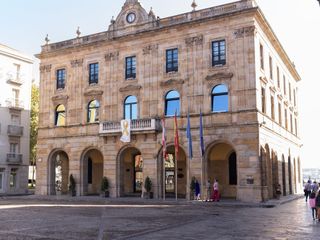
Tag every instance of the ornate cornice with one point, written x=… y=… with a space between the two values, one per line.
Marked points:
x=219 y=75
x=93 y=92
x=111 y=56
x=171 y=82
x=130 y=87
x=150 y=49
x=76 y=63
x=245 y=32
x=60 y=98
x=45 y=68
x=197 y=40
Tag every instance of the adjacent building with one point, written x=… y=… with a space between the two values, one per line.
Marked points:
x=16 y=72
x=224 y=63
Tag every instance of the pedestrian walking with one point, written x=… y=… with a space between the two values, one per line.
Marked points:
x=318 y=205
x=314 y=187
x=216 y=193
x=307 y=189
x=197 y=185
x=312 y=203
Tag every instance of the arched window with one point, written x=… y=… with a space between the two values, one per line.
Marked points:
x=93 y=111
x=172 y=103
x=131 y=108
x=60 y=116
x=233 y=179
x=220 y=99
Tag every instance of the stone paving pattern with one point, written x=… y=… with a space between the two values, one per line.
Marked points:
x=97 y=218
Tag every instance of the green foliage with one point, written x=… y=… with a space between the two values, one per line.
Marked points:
x=104 y=184
x=193 y=184
x=34 y=121
x=148 y=184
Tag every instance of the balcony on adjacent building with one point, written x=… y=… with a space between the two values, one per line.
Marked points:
x=14 y=158
x=14 y=103
x=137 y=126
x=15 y=131
x=15 y=80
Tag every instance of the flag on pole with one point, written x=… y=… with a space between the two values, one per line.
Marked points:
x=189 y=137
x=201 y=136
x=164 y=144
x=176 y=134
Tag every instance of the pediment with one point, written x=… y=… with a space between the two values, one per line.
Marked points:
x=130 y=87
x=219 y=75
x=172 y=82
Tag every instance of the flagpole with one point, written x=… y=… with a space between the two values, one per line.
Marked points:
x=164 y=179
x=176 y=176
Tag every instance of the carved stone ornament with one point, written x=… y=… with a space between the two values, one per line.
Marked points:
x=191 y=41
x=60 y=98
x=219 y=75
x=111 y=56
x=131 y=87
x=171 y=82
x=245 y=32
x=76 y=63
x=45 y=68
x=93 y=92
x=150 y=48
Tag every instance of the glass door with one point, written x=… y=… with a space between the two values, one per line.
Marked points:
x=138 y=173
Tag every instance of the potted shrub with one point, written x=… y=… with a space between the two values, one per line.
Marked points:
x=148 y=186
x=192 y=188
x=72 y=186
x=105 y=187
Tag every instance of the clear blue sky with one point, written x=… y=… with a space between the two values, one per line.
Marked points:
x=25 y=23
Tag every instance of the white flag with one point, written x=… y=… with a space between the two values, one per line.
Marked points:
x=125 y=130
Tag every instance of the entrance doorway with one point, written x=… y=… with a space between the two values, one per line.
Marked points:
x=58 y=173
x=222 y=165
x=92 y=172
x=131 y=176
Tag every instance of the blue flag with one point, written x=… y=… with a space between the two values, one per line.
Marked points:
x=189 y=137
x=201 y=136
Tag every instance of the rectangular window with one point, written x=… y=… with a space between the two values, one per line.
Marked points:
x=61 y=78
x=294 y=98
x=296 y=126
x=290 y=91
x=263 y=100
x=13 y=147
x=131 y=67
x=272 y=107
x=280 y=114
x=284 y=85
x=291 y=124
x=278 y=77
x=218 y=53
x=13 y=178
x=271 y=67
x=286 y=118
x=15 y=119
x=172 y=60
x=261 y=57
x=93 y=73
x=17 y=67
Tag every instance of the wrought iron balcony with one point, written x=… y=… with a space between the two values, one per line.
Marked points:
x=16 y=131
x=137 y=125
x=14 y=158
x=14 y=103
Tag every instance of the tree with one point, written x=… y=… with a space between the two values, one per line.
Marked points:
x=34 y=121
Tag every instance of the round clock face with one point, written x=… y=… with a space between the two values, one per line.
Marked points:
x=131 y=17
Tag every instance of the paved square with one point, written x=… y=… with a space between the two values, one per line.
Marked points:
x=96 y=218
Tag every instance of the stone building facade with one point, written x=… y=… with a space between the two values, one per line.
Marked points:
x=224 y=61
x=16 y=73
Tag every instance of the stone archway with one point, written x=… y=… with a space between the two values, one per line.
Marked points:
x=58 y=173
x=221 y=164
x=167 y=178
x=284 y=177
x=91 y=172
x=130 y=176
x=290 y=175
x=275 y=173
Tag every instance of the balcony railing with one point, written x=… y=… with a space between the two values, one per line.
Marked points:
x=14 y=158
x=14 y=103
x=14 y=130
x=137 y=125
